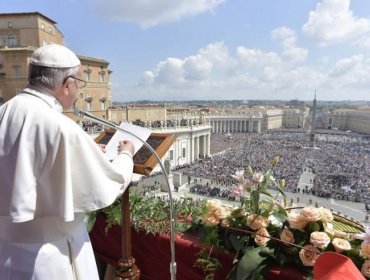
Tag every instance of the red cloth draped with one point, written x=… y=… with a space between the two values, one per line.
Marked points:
x=152 y=255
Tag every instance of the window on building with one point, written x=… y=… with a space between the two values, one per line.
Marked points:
x=81 y=95
x=102 y=76
x=102 y=105
x=88 y=75
x=88 y=106
x=17 y=70
x=42 y=26
x=183 y=152
x=49 y=29
x=10 y=24
x=12 y=40
x=171 y=155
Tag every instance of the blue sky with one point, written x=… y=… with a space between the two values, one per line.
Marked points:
x=220 y=49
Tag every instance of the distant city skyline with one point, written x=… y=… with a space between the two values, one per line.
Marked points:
x=220 y=49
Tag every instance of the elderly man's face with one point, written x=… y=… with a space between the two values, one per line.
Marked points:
x=73 y=83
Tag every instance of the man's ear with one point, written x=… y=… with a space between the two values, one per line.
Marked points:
x=62 y=92
x=65 y=87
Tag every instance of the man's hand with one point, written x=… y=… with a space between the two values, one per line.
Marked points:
x=126 y=145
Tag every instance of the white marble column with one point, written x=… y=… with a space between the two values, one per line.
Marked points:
x=208 y=150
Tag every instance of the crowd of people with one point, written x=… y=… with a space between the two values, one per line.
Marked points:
x=340 y=163
x=207 y=190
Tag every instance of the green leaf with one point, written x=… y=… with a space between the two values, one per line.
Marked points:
x=277 y=219
x=255 y=197
x=249 y=262
x=282 y=210
x=314 y=226
x=235 y=242
x=266 y=192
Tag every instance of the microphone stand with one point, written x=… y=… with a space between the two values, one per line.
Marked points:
x=82 y=114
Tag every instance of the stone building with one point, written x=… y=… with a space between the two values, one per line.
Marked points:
x=356 y=120
x=295 y=117
x=20 y=35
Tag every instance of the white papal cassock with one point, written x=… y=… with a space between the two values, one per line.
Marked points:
x=51 y=172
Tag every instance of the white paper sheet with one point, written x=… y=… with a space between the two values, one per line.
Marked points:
x=142 y=132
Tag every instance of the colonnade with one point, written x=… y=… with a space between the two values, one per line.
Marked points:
x=235 y=125
x=200 y=147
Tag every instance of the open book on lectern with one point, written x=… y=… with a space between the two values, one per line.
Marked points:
x=144 y=160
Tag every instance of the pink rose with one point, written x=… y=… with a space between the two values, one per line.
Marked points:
x=341 y=245
x=211 y=221
x=365 y=249
x=326 y=215
x=287 y=236
x=319 y=239
x=262 y=237
x=221 y=213
x=213 y=205
x=309 y=255
x=256 y=222
x=296 y=221
x=311 y=214
x=365 y=269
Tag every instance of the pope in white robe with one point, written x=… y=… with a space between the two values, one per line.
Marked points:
x=51 y=173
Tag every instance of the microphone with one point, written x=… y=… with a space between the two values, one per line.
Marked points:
x=83 y=114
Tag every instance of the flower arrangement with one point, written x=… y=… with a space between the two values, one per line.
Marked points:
x=262 y=230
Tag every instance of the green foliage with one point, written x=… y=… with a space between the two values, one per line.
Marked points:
x=151 y=214
x=207 y=263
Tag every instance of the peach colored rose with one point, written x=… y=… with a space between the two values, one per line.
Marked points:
x=365 y=249
x=326 y=215
x=319 y=239
x=309 y=256
x=341 y=245
x=296 y=221
x=213 y=205
x=287 y=236
x=365 y=269
x=311 y=214
x=225 y=223
x=211 y=221
x=222 y=213
x=256 y=222
x=262 y=237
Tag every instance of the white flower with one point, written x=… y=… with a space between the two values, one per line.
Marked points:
x=363 y=236
x=257 y=177
x=237 y=190
x=239 y=175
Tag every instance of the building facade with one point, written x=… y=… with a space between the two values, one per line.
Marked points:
x=348 y=119
x=20 y=35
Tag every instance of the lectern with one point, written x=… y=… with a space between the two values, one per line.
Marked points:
x=144 y=163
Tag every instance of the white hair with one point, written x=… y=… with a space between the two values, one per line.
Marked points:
x=49 y=77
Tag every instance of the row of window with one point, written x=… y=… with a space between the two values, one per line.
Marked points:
x=49 y=29
x=89 y=99
x=88 y=75
x=171 y=157
x=10 y=40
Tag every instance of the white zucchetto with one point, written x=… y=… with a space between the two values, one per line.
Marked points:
x=54 y=55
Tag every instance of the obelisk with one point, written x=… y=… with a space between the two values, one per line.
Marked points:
x=313 y=123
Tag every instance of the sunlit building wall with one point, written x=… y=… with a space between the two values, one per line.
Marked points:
x=20 y=35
